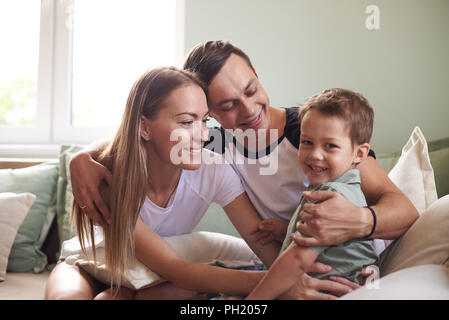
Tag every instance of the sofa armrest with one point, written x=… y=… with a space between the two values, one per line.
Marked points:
x=16 y=163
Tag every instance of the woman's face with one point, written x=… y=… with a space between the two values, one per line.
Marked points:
x=178 y=132
x=236 y=97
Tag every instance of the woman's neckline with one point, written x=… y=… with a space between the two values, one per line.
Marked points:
x=171 y=198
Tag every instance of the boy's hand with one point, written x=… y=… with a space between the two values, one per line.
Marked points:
x=86 y=176
x=270 y=230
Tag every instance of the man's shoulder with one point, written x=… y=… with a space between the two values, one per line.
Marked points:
x=217 y=140
x=292 y=129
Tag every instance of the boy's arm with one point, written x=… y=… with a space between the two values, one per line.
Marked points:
x=336 y=220
x=86 y=175
x=284 y=273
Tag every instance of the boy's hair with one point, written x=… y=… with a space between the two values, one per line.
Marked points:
x=207 y=58
x=348 y=105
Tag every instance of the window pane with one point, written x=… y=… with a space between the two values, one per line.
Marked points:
x=114 y=42
x=19 y=58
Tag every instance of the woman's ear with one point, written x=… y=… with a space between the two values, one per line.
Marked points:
x=145 y=132
x=361 y=152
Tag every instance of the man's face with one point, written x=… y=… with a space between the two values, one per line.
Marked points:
x=237 y=99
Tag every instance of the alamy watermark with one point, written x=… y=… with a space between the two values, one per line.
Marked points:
x=372 y=21
x=251 y=149
x=373 y=280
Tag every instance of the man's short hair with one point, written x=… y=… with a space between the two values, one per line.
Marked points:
x=207 y=58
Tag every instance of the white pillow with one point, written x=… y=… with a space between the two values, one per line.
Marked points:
x=13 y=210
x=413 y=173
x=425 y=282
x=201 y=247
x=426 y=242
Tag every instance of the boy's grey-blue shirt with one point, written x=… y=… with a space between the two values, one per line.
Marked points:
x=348 y=258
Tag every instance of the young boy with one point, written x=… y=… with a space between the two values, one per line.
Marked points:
x=336 y=128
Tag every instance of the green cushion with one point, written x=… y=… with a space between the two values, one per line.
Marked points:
x=64 y=194
x=440 y=163
x=439 y=158
x=26 y=254
x=439 y=144
x=388 y=160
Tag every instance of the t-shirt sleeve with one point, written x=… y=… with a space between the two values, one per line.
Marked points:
x=324 y=187
x=229 y=185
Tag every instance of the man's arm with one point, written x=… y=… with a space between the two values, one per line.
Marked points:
x=395 y=212
x=86 y=175
x=336 y=220
x=96 y=148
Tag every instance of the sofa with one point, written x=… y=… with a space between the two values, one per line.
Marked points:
x=37 y=194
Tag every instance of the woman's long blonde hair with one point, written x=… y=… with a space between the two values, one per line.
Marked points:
x=126 y=157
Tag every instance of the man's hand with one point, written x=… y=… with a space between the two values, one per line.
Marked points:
x=309 y=288
x=270 y=230
x=86 y=176
x=332 y=221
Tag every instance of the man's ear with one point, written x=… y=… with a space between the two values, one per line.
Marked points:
x=145 y=131
x=361 y=153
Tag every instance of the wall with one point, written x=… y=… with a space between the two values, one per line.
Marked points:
x=300 y=47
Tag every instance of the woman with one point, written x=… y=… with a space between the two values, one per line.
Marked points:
x=150 y=196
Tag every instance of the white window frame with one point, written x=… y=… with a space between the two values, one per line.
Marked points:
x=41 y=131
x=53 y=119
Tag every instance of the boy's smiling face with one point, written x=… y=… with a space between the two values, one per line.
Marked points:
x=326 y=150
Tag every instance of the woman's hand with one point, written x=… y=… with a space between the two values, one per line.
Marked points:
x=270 y=230
x=86 y=176
x=309 y=288
x=332 y=221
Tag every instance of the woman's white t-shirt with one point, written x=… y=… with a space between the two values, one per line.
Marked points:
x=197 y=189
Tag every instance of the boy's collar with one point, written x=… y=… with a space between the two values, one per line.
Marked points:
x=350 y=176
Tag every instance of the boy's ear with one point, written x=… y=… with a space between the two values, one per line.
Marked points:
x=361 y=152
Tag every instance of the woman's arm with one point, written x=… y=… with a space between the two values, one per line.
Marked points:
x=161 y=258
x=245 y=219
x=336 y=220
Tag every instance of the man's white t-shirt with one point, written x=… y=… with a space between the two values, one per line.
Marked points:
x=197 y=189
x=272 y=178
